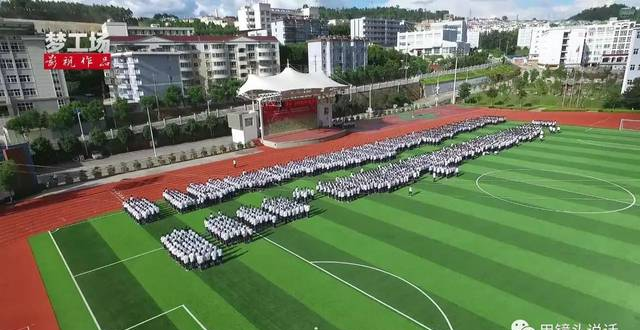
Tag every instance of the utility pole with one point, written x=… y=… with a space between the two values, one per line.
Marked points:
x=84 y=140
x=153 y=141
x=455 y=77
x=155 y=91
x=437 y=86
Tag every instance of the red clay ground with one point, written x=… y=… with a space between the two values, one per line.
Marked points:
x=23 y=299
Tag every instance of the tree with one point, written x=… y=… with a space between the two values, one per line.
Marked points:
x=147 y=101
x=63 y=119
x=98 y=138
x=8 y=175
x=210 y=123
x=43 y=151
x=172 y=96
x=339 y=30
x=522 y=93
x=195 y=95
x=69 y=144
x=525 y=77
x=146 y=133
x=124 y=135
x=464 y=90
x=190 y=128
x=492 y=93
x=225 y=90
x=92 y=112
x=631 y=97
x=121 y=112
x=171 y=131
x=533 y=75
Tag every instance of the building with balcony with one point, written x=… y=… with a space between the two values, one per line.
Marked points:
x=260 y=15
x=439 y=41
x=381 y=31
x=564 y=47
x=24 y=83
x=149 y=65
x=326 y=54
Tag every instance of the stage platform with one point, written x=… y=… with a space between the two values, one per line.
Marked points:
x=303 y=137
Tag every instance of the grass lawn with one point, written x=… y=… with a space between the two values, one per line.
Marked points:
x=547 y=232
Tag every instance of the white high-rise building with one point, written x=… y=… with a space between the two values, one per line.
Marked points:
x=24 y=83
x=563 y=47
x=326 y=54
x=122 y=29
x=380 y=31
x=632 y=70
x=260 y=15
x=473 y=38
x=459 y=26
x=606 y=44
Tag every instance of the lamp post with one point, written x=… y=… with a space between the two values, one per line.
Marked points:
x=84 y=141
x=455 y=76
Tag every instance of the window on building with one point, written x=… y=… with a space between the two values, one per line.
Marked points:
x=12 y=78
x=22 y=63
x=635 y=51
x=4 y=47
x=14 y=92
x=17 y=46
x=60 y=102
x=25 y=78
x=1 y=93
x=24 y=106
x=632 y=67
x=29 y=92
x=248 y=122
x=629 y=82
x=6 y=64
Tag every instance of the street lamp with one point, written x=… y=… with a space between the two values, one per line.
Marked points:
x=84 y=141
x=455 y=76
x=153 y=141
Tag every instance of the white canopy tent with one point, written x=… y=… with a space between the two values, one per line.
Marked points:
x=287 y=84
x=289 y=81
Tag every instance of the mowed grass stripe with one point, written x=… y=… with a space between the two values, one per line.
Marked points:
x=70 y=310
x=167 y=282
x=116 y=298
x=582 y=152
x=259 y=300
x=462 y=298
x=386 y=288
x=613 y=138
x=601 y=148
x=514 y=281
x=533 y=222
x=540 y=264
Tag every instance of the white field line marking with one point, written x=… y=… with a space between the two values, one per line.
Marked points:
x=629 y=204
x=597 y=122
x=395 y=276
x=28 y=327
x=117 y=262
x=167 y=312
x=75 y=282
x=348 y=284
x=609 y=145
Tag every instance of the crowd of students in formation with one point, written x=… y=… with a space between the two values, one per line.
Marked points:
x=180 y=201
x=285 y=209
x=141 y=209
x=552 y=125
x=191 y=250
x=227 y=230
x=441 y=163
x=218 y=190
x=304 y=195
x=255 y=217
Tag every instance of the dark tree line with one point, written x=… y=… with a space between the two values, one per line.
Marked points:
x=603 y=13
x=199 y=27
x=412 y=15
x=63 y=11
x=504 y=41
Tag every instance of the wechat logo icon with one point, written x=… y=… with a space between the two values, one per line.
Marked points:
x=521 y=325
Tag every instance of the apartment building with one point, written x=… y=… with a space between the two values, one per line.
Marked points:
x=326 y=54
x=122 y=29
x=606 y=43
x=24 y=83
x=458 y=26
x=564 y=47
x=291 y=30
x=259 y=16
x=381 y=31
x=632 y=70
x=149 y=65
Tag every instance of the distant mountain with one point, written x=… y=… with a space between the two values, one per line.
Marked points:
x=63 y=11
x=412 y=15
x=604 y=13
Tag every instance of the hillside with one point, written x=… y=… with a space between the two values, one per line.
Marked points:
x=602 y=13
x=62 y=11
x=413 y=15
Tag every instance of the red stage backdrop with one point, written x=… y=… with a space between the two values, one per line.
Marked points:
x=290 y=115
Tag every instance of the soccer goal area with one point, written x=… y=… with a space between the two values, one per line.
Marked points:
x=630 y=125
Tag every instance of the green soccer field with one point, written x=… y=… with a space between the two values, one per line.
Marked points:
x=548 y=232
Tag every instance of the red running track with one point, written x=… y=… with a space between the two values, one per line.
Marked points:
x=23 y=299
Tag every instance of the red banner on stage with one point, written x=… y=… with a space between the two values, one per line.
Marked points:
x=289 y=109
x=77 y=61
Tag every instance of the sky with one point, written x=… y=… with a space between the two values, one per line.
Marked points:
x=524 y=9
